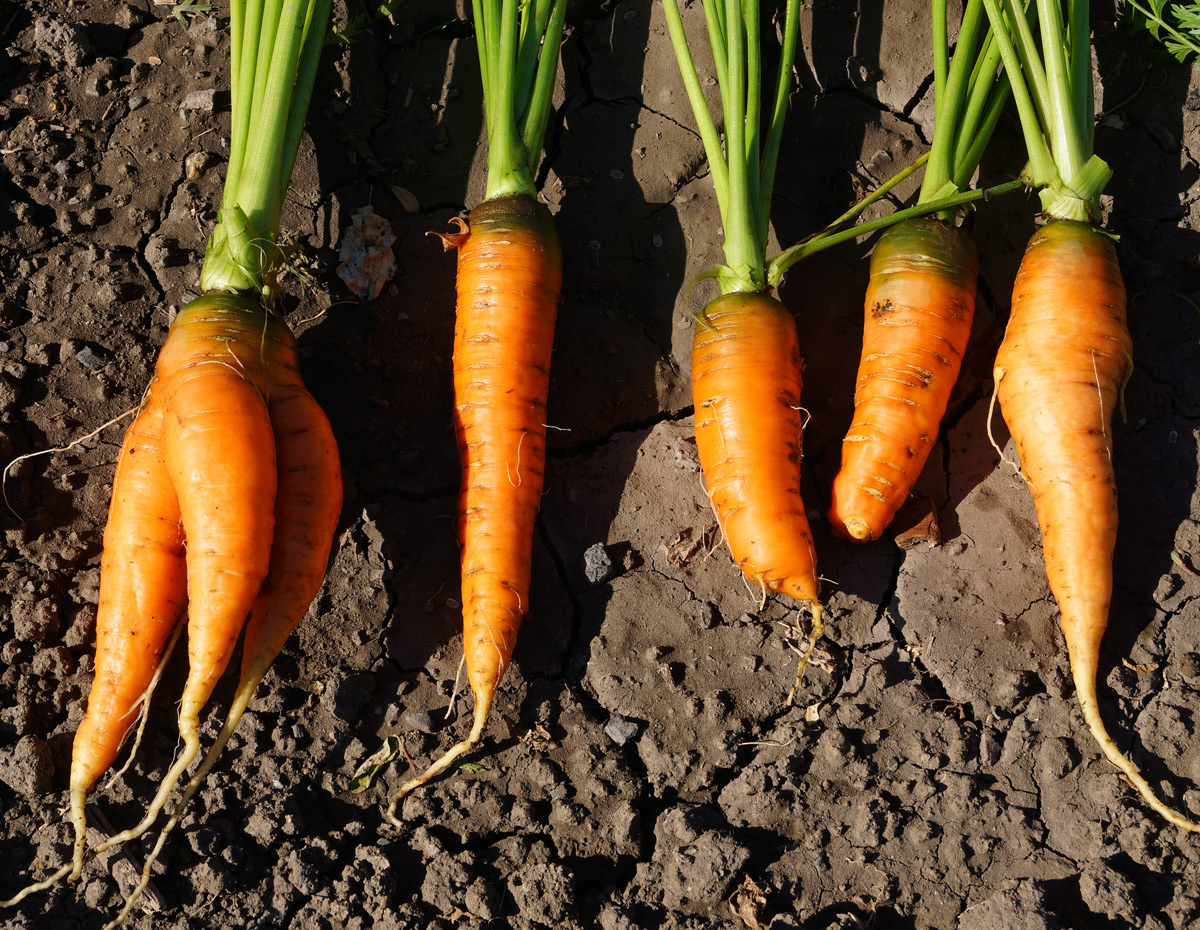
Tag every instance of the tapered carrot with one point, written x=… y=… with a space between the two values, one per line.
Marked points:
x=919 y=307
x=143 y=589
x=1066 y=353
x=746 y=380
x=509 y=278
x=1060 y=374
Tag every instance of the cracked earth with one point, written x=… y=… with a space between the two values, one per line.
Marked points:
x=641 y=769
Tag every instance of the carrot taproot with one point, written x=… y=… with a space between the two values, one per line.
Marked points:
x=746 y=367
x=308 y=502
x=1060 y=373
x=1066 y=355
x=746 y=382
x=143 y=590
x=919 y=306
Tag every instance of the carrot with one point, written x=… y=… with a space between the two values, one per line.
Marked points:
x=746 y=367
x=921 y=297
x=746 y=381
x=509 y=278
x=919 y=307
x=143 y=590
x=237 y=459
x=1066 y=354
x=307 y=504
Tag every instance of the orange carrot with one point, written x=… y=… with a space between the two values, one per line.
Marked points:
x=143 y=589
x=307 y=505
x=509 y=278
x=1060 y=373
x=746 y=378
x=919 y=306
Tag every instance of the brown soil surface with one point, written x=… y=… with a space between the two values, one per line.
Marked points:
x=641 y=769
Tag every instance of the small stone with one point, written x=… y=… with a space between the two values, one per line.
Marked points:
x=135 y=102
x=194 y=164
x=597 y=566
x=620 y=730
x=200 y=100
x=91 y=359
x=419 y=720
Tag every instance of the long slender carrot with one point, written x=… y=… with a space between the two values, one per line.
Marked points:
x=921 y=297
x=1066 y=352
x=919 y=307
x=143 y=590
x=509 y=278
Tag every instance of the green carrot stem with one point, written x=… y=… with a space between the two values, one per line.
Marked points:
x=704 y=121
x=783 y=87
x=1062 y=128
x=955 y=91
x=538 y=113
x=306 y=78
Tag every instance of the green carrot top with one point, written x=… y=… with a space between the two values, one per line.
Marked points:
x=518 y=61
x=1052 y=87
x=274 y=49
x=743 y=171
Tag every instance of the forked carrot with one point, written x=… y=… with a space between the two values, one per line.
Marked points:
x=509 y=278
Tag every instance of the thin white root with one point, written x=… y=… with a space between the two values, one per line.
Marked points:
x=236 y=709
x=144 y=712
x=1091 y=713
x=38 y=886
x=440 y=765
x=991 y=437
x=817 y=631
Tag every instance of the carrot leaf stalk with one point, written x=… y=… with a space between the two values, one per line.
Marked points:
x=1066 y=354
x=509 y=279
x=746 y=366
x=920 y=300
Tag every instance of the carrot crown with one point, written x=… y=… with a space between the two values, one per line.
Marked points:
x=1051 y=75
x=743 y=171
x=518 y=61
x=274 y=49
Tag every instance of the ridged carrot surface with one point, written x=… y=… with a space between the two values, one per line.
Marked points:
x=919 y=306
x=1060 y=373
x=746 y=378
x=509 y=278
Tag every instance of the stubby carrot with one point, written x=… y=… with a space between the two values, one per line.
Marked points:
x=919 y=307
x=921 y=296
